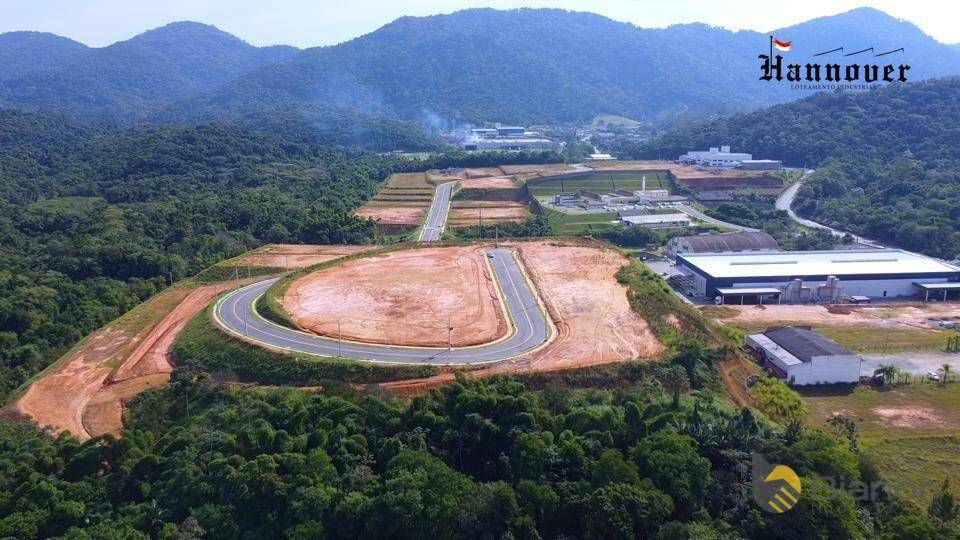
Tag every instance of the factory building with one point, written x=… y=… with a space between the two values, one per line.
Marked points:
x=800 y=356
x=721 y=158
x=510 y=144
x=815 y=276
x=711 y=243
x=657 y=221
x=761 y=164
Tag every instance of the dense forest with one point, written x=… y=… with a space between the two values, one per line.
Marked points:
x=888 y=159
x=94 y=221
x=474 y=459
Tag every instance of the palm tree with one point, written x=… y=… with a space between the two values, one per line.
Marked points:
x=946 y=369
x=886 y=372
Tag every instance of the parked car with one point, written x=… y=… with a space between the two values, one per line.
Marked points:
x=933 y=376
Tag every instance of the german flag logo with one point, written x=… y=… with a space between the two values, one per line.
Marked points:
x=775 y=488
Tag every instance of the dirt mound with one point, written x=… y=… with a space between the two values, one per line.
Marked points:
x=402 y=298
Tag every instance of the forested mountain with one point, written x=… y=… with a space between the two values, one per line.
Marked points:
x=550 y=65
x=127 y=80
x=527 y=65
x=889 y=159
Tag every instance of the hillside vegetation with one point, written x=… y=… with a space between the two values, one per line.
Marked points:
x=477 y=65
x=888 y=160
x=472 y=460
x=93 y=221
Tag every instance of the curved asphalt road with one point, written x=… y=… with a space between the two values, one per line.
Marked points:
x=437 y=214
x=235 y=314
x=785 y=202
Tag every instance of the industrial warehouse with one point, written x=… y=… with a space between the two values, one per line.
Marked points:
x=816 y=276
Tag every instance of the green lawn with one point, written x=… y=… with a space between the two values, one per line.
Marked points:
x=578 y=223
x=911 y=432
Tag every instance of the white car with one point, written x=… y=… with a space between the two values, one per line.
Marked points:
x=933 y=376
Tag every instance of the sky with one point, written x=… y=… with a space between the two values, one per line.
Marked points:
x=308 y=23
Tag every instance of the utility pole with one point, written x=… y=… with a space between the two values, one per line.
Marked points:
x=480 y=225
x=237 y=276
x=449 y=335
x=339 y=341
x=496 y=237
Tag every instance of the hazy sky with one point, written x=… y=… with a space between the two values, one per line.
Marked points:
x=307 y=23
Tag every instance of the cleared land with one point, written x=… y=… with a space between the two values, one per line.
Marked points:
x=402 y=298
x=85 y=390
x=295 y=256
x=877 y=328
x=402 y=204
x=469 y=213
x=910 y=431
x=594 y=321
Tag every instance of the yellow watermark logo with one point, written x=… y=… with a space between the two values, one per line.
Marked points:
x=776 y=488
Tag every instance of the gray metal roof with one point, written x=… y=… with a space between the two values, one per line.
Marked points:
x=804 y=343
x=742 y=241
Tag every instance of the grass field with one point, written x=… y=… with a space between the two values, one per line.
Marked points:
x=602 y=120
x=575 y=224
x=911 y=432
x=598 y=182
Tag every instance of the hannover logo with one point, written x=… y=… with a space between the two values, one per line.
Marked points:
x=775 y=488
x=772 y=67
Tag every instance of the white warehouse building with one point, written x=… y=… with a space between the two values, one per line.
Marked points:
x=817 y=276
x=800 y=356
x=715 y=157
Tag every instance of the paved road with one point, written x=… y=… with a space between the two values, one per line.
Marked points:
x=703 y=217
x=235 y=314
x=785 y=202
x=436 y=220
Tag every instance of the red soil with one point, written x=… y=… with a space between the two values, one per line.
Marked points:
x=297 y=256
x=80 y=395
x=404 y=298
x=496 y=182
x=594 y=321
x=396 y=215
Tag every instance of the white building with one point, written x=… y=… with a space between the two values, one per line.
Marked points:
x=657 y=221
x=523 y=143
x=800 y=356
x=813 y=276
x=721 y=158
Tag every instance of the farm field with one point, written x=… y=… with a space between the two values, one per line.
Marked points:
x=911 y=432
x=402 y=298
x=598 y=182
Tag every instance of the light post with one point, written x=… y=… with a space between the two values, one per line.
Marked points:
x=449 y=335
x=339 y=341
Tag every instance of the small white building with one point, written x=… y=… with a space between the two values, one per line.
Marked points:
x=800 y=356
